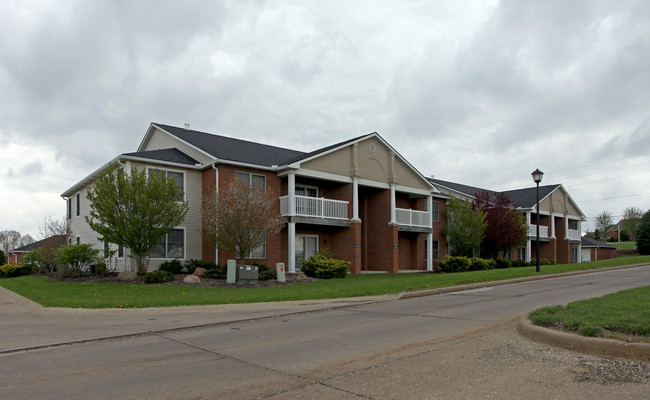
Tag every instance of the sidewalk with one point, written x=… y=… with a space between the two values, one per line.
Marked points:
x=26 y=325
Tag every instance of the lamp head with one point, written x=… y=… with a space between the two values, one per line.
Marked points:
x=537 y=175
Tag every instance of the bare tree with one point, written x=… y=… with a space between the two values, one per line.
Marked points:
x=604 y=224
x=9 y=240
x=631 y=221
x=25 y=240
x=52 y=226
x=240 y=217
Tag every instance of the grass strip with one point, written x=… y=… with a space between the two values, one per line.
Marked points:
x=625 y=312
x=110 y=295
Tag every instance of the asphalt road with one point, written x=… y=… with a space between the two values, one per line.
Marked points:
x=456 y=345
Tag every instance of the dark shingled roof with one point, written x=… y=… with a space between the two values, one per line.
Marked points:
x=324 y=149
x=524 y=198
x=172 y=155
x=238 y=150
x=587 y=242
x=37 y=244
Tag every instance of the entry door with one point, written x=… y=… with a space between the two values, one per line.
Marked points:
x=306 y=246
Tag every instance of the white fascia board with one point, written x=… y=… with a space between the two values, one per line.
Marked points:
x=241 y=164
x=150 y=132
x=315 y=174
x=162 y=162
x=406 y=189
x=88 y=179
x=375 y=184
x=582 y=215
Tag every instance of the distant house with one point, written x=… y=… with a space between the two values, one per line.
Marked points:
x=16 y=255
x=560 y=219
x=359 y=199
x=594 y=250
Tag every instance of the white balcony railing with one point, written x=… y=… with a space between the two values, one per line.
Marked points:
x=317 y=207
x=543 y=231
x=573 y=234
x=410 y=217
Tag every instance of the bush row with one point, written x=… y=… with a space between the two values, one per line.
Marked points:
x=213 y=270
x=462 y=264
x=15 y=269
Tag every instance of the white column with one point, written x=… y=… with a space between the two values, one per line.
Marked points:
x=528 y=250
x=430 y=209
x=552 y=226
x=430 y=252
x=355 y=199
x=216 y=192
x=580 y=245
x=292 y=194
x=292 y=247
x=392 y=204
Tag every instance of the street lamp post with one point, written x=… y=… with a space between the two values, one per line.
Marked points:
x=537 y=177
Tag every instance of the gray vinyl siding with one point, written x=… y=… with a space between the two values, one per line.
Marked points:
x=161 y=140
x=191 y=224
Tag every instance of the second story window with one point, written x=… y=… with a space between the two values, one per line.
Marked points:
x=255 y=180
x=435 y=211
x=78 y=205
x=178 y=177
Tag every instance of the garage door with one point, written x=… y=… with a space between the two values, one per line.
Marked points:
x=586 y=255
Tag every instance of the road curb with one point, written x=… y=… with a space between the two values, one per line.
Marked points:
x=582 y=344
x=481 y=285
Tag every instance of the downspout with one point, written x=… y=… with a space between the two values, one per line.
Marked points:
x=216 y=191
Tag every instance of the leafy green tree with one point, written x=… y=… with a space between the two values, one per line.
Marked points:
x=631 y=221
x=240 y=217
x=135 y=209
x=465 y=227
x=76 y=255
x=604 y=225
x=643 y=235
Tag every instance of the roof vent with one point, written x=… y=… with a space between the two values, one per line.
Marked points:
x=187 y=126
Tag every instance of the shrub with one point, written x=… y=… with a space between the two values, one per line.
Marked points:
x=12 y=270
x=519 y=263
x=265 y=273
x=76 y=256
x=220 y=272
x=480 y=264
x=193 y=264
x=547 y=262
x=174 y=266
x=2 y=257
x=503 y=263
x=455 y=264
x=158 y=276
x=322 y=267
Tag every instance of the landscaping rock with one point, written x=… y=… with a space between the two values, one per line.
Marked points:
x=191 y=279
x=127 y=276
x=200 y=271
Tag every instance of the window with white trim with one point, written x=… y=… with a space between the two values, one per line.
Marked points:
x=255 y=180
x=69 y=208
x=435 y=212
x=178 y=176
x=258 y=252
x=574 y=254
x=172 y=245
x=78 y=204
x=308 y=191
x=508 y=254
x=573 y=225
x=521 y=253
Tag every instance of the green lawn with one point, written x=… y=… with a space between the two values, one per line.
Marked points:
x=622 y=313
x=625 y=245
x=111 y=295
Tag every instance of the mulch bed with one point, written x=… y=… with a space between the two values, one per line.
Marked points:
x=178 y=281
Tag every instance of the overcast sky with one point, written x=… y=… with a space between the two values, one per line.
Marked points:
x=475 y=92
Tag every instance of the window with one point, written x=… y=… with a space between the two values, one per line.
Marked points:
x=521 y=253
x=574 y=254
x=120 y=251
x=69 y=208
x=435 y=212
x=78 y=205
x=179 y=178
x=258 y=252
x=255 y=180
x=78 y=240
x=171 y=246
x=309 y=191
x=573 y=225
x=434 y=246
x=507 y=254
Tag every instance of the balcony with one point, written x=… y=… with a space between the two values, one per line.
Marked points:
x=315 y=207
x=543 y=231
x=573 y=235
x=412 y=218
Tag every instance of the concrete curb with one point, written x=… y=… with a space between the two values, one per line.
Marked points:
x=582 y=344
x=481 y=285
